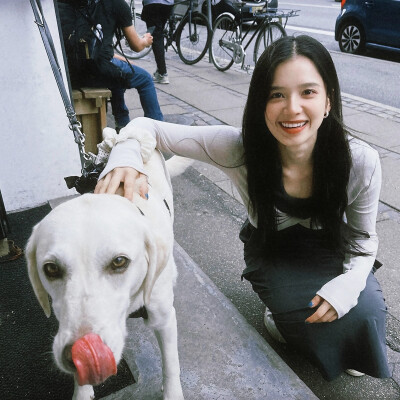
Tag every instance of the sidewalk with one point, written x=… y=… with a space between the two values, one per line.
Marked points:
x=202 y=95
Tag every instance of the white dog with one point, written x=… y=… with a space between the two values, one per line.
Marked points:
x=100 y=258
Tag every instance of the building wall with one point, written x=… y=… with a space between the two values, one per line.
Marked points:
x=37 y=149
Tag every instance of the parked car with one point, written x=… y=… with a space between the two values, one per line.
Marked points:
x=248 y=9
x=366 y=24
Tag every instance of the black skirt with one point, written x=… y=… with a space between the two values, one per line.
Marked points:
x=286 y=283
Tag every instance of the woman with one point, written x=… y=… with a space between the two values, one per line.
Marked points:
x=312 y=197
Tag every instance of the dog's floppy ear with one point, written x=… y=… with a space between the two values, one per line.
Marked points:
x=38 y=288
x=156 y=254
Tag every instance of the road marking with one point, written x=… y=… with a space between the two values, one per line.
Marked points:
x=311 y=5
x=310 y=30
x=371 y=102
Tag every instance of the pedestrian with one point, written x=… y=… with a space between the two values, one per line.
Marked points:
x=156 y=13
x=105 y=70
x=311 y=192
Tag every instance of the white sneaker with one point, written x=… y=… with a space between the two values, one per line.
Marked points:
x=271 y=327
x=160 y=78
x=353 y=372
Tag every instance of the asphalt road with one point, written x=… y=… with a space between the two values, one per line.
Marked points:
x=373 y=76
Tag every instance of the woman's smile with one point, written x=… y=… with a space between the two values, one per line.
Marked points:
x=293 y=127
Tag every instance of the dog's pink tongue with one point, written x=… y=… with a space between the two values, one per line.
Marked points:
x=94 y=361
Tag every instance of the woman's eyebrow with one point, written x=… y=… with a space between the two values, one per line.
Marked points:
x=306 y=84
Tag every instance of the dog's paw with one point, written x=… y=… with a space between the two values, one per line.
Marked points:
x=173 y=393
x=85 y=392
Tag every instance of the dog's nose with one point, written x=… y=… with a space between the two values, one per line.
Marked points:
x=67 y=358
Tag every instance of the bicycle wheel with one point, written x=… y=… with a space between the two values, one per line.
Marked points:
x=140 y=27
x=192 y=38
x=271 y=32
x=225 y=32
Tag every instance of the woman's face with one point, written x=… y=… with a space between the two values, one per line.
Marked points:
x=296 y=104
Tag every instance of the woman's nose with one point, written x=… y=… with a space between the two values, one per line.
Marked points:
x=293 y=105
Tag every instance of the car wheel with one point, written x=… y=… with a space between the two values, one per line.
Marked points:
x=351 y=38
x=272 y=3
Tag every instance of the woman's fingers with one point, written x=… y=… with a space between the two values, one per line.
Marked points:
x=129 y=186
x=125 y=181
x=143 y=186
x=315 y=301
x=102 y=184
x=324 y=313
x=116 y=179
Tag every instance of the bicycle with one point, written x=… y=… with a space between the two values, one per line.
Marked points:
x=189 y=29
x=228 y=38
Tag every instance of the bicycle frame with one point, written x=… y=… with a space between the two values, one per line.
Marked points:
x=173 y=28
x=237 y=47
x=259 y=27
x=261 y=19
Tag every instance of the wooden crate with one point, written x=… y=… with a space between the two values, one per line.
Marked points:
x=90 y=108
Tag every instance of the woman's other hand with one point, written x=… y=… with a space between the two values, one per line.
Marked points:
x=325 y=312
x=125 y=181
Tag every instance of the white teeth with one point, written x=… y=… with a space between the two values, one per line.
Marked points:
x=296 y=125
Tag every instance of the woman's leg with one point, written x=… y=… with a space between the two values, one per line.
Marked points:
x=356 y=341
x=288 y=281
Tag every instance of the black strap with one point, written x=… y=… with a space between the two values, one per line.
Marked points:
x=75 y=125
x=166 y=205
x=4 y=224
x=141 y=313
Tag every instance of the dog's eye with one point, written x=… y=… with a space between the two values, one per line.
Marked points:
x=52 y=271
x=119 y=264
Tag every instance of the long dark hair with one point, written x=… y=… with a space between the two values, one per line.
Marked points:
x=331 y=155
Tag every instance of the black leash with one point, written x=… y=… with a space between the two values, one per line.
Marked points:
x=90 y=170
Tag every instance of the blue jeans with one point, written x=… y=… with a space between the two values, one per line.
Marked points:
x=142 y=81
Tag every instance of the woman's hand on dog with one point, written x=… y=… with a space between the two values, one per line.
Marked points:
x=125 y=181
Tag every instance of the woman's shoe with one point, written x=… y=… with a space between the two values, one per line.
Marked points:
x=353 y=372
x=271 y=327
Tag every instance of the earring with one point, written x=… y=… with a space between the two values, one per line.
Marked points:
x=326 y=114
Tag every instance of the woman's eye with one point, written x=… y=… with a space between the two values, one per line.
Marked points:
x=309 y=92
x=53 y=271
x=276 y=96
x=119 y=264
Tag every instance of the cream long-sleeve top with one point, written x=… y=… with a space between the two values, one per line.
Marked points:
x=221 y=146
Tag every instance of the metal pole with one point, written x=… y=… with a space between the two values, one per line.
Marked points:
x=209 y=16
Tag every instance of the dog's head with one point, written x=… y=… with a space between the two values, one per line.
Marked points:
x=93 y=256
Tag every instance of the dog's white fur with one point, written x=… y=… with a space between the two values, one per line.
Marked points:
x=83 y=236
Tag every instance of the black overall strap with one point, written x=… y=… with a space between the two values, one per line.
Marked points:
x=75 y=125
x=141 y=313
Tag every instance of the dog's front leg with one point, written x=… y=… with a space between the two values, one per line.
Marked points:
x=83 y=392
x=167 y=337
